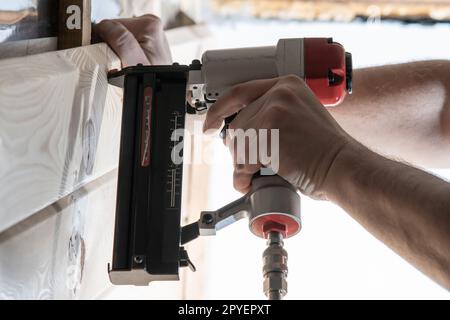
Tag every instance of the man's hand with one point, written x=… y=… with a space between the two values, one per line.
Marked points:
x=310 y=139
x=136 y=40
x=406 y=208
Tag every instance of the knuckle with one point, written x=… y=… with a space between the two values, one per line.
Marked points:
x=123 y=38
x=236 y=184
x=152 y=23
x=106 y=27
x=239 y=182
x=284 y=93
x=239 y=169
x=275 y=114
x=237 y=90
x=292 y=78
x=114 y=33
x=151 y=17
x=103 y=23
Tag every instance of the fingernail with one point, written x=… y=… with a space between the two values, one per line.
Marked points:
x=210 y=132
x=211 y=125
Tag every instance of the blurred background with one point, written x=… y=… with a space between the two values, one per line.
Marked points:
x=333 y=257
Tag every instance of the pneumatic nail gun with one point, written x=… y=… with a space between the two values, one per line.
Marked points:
x=148 y=239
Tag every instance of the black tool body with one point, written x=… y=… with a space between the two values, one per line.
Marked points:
x=147 y=234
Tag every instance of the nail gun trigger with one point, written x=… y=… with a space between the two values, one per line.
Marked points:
x=189 y=233
x=185 y=261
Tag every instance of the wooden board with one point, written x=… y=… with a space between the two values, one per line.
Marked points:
x=62 y=252
x=59 y=127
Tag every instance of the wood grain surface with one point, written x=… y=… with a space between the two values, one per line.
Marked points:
x=57 y=113
x=62 y=252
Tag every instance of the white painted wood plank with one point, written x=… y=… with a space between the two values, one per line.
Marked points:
x=52 y=109
x=62 y=252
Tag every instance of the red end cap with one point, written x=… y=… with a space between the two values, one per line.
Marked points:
x=325 y=70
x=284 y=224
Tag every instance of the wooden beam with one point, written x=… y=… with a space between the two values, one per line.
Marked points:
x=339 y=10
x=74 y=24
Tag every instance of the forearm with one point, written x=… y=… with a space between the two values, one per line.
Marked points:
x=401 y=111
x=407 y=209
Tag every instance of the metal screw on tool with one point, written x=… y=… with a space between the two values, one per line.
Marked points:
x=138 y=259
x=208 y=219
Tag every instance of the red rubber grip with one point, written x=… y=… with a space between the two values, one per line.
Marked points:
x=325 y=70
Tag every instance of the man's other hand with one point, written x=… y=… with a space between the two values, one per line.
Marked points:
x=136 y=40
